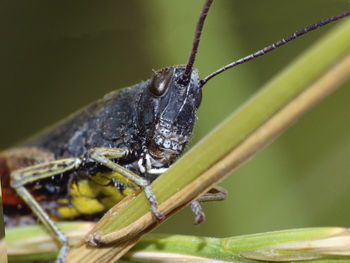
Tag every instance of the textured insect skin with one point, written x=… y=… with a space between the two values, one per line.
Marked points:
x=127 y=118
x=73 y=169
x=154 y=129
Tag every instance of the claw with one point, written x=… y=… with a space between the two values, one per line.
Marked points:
x=158 y=216
x=94 y=239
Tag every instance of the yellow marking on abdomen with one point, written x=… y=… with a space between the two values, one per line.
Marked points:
x=93 y=195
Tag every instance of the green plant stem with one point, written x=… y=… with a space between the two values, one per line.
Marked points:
x=308 y=244
x=274 y=96
x=33 y=243
x=288 y=245
x=239 y=125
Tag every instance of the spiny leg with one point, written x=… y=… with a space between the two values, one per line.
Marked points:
x=104 y=155
x=37 y=172
x=45 y=219
x=217 y=193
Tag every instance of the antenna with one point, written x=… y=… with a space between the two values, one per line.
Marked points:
x=185 y=78
x=276 y=45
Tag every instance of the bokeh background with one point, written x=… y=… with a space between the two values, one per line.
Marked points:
x=59 y=56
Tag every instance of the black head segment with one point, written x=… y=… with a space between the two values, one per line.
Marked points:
x=170 y=112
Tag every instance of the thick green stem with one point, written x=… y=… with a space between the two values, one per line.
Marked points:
x=243 y=122
x=231 y=133
x=310 y=244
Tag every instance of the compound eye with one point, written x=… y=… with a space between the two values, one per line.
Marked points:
x=161 y=82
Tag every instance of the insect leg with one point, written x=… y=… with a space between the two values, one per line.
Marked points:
x=36 y=172
x=217 y=193
x=104 y=156
x=198 y=211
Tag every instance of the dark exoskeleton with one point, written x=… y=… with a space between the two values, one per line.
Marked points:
x=137 y=132
x=85 y=164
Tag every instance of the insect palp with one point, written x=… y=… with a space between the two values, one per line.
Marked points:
x=185 y=79
x=141 y=166
x=276 y=45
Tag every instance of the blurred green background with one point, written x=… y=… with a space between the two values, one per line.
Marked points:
x=59 y=56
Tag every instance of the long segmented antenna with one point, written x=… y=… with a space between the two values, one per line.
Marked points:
x=276 y=45
x=186 y=75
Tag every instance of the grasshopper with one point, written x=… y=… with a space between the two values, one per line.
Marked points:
x=86 y=163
